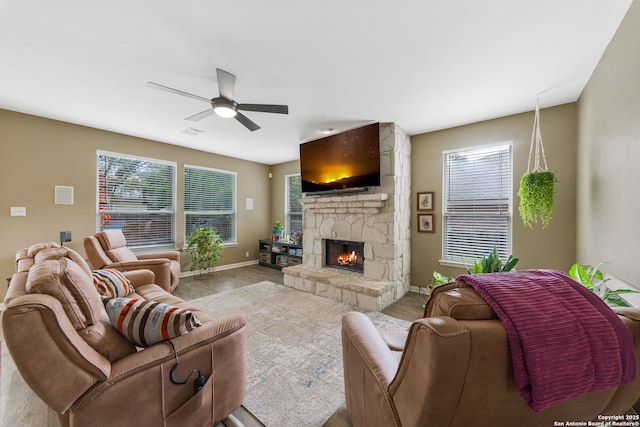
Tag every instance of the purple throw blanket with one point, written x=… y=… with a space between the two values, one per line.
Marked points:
x=564 y=340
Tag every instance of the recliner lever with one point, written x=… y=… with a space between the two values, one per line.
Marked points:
x=198 y=384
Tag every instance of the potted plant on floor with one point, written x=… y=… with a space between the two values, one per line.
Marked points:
x=205 y=248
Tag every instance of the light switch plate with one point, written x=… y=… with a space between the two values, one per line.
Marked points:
x=18 y=211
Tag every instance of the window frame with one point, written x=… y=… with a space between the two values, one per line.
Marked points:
x=287 y=207
x=507 y=214
x=234 y=210
x=173 y=211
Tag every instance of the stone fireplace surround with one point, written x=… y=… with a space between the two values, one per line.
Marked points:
x=379 y=218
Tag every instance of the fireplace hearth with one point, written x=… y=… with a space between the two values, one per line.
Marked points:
x=345 y=255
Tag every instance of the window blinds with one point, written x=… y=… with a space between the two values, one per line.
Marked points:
x=294 y=207
x=136 y=195
x=210 y=200
x=477 y=208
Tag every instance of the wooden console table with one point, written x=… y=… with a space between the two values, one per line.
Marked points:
x=278 y=254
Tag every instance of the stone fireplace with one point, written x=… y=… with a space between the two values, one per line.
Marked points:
x=379 y=219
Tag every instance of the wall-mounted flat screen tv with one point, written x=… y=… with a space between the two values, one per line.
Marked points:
x=342 y=161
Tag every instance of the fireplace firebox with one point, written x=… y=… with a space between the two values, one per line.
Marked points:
x=345 y=255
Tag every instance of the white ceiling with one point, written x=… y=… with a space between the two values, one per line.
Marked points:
x=424 y=64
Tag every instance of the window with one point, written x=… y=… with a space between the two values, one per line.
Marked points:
x=210 y=201
x=293 y=208
x=477 y=202
x=136 y=195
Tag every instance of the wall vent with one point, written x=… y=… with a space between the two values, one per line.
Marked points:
x=192 y=131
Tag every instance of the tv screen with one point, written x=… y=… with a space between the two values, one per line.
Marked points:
x=346 y=160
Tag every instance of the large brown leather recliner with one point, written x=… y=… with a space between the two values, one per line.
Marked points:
x=453 y=368
x=79 y=365
x=108 y=249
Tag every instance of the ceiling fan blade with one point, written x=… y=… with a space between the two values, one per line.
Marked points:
x=246 y=121
x=226 y=83
x=264 y=108
x=176 y=91
x=201 y=115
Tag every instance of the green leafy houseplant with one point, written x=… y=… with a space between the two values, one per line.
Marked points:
x=536 y=197
x=593 y=279
x=487 y=264
x=205 y=246
x=493 y=264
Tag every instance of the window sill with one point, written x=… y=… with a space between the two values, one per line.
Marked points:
x=455 y=264
x=224 y=245
x=615 y=283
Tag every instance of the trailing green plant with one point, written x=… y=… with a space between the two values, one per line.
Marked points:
x=536 y=197
x=277 y=225
x=205 y=246
x=593 y=279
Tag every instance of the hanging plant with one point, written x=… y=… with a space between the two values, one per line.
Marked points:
x=536 y=197
x=537 y=185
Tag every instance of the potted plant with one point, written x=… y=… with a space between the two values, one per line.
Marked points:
x=536 y=197
x=490 y=263
x=593 y=279
x=277 y=231
x=205 y=247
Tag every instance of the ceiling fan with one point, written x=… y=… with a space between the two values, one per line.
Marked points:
x=224 y=105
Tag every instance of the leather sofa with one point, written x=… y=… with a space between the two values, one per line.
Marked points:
x=453 y=368
x=64 y=346
x=108 y=249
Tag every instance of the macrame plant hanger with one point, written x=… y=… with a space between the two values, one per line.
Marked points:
x=536 y=139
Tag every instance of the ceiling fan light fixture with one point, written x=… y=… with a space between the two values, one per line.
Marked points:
x=224 y=105
x=224 y=108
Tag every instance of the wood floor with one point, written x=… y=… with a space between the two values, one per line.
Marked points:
x=409 y=307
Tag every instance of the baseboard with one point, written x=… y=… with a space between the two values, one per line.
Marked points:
x=420 y=290
x=223 y=267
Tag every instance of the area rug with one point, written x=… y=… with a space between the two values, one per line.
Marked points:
x=294 y=347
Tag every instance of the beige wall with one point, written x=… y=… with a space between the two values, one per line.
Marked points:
x=553 y=247
x=608 y=157
x=36 y=154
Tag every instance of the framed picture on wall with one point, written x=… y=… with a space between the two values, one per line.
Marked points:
x=425 y=201
x=426 y=223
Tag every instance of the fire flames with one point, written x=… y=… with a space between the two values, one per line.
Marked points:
x=348 y=259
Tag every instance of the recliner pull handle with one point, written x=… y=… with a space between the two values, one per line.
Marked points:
x=197 y=384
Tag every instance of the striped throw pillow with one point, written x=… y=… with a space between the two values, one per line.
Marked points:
x=146 y=322
x=112 y=283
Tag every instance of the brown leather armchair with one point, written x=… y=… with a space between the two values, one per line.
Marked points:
x=69 y=354
x=108 y=249
x=453 y=368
